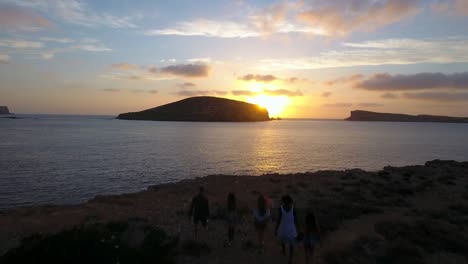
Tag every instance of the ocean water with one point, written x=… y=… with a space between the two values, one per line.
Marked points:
x=70 y=159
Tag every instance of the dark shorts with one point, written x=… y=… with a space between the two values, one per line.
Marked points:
x=202 y=219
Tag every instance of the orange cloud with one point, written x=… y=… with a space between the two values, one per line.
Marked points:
x=13 y=18
x=125 y=66
x=451 y=7
x=340 y=18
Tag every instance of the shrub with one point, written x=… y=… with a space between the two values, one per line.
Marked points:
x=97 y=243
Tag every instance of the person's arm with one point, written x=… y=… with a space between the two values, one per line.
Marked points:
x=278 y=221
x=295 y=219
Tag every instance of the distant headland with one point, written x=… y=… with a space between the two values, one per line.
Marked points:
x=204 y=109
x=360 y=115
x=4 y=110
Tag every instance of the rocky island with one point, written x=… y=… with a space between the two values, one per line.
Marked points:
x=360 y=115
x=4 y=110
x=204 y=109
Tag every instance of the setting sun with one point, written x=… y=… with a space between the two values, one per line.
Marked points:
x=274 y=104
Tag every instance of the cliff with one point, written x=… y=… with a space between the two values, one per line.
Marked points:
x=360 y=115
x=203 y=108
x=4 y=110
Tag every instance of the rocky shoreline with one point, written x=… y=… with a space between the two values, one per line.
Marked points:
x=411 y=214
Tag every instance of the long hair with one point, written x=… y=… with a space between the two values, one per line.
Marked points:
x=261 y=205
x=231 y=202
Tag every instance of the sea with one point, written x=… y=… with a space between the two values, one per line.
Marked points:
x=57 y=159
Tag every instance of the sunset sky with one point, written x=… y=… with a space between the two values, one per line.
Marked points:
x=300 y=59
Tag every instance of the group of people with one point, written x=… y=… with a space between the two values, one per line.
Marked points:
x=287 y=224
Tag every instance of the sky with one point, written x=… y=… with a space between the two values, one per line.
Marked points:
x=299 y=59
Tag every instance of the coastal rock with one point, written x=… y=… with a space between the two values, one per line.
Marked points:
x=4 y=110
x=203 y=108
x=360 y=115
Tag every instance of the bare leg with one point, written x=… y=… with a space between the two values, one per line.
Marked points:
x=291 y=252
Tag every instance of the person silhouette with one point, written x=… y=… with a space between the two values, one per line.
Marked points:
x=231 y=216
x=286 y=225
x=199 y=210
x=261 y=216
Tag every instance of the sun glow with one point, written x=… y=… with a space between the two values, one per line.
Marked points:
x=274 y=104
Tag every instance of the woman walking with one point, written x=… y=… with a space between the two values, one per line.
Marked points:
x=261 y=216
x=286 y=226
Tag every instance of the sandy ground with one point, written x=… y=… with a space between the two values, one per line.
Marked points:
x=363 y=214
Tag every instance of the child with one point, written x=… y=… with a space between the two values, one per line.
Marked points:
x=311 y=236
x=261 y=217
x=231 y=216
x=286 y=225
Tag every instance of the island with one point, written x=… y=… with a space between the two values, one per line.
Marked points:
x=203 y=109
x=4 y=110
x=360 y=115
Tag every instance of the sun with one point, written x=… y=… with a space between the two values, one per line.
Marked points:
x=274 y=104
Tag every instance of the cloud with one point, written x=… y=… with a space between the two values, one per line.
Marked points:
x=258 y=78
x=345 y=80
x=190 y=93
x=226 y=29
x=243 y=93
x=338 y=105
x=77 y=12
x=124 y=66
x=20 y=44
x=378 y=52
x=112 y=90
x=261 y=22
x=272 y=92
x=326 y=94
x=451 y=7
x=207 y=28
x=266 y=78
x=4 y=58
x=58 y=40
x=326 y=18
x=370 y=105
x=389 y=96
x=438 y=96
x=186 y=85
x=187 y=70
x=129 y=71
x=200 y=60
x=280 y=92
x=14 y=18
x=146 y=91
x=47 y=55
x=340 y=18
x=419 y=81
x=92 y=47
